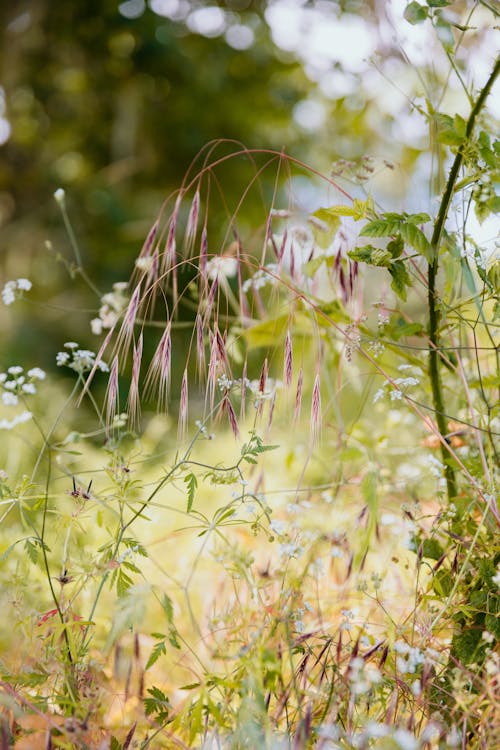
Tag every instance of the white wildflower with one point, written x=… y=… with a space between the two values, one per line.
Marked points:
x=28 y=388
x=62 y=358
x=37 y=373
x=6 y=424
x=60 y=195
x=15 y=370
x=9 y=399
x=24 y=285
x=13 y=289
x=8 y=293
x=96 y=326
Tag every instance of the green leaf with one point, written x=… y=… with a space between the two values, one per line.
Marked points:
x=157 y=705
x=115 y=744
x=168 y=608
x=191 y=483
x=400 y=278
x=415 y=13
x=432 y=549
x=123 y=582
x=267 y=333
x=312 y=266
x=396 y=246
x=362 y=254
x=438 y=3
x=381 y=228
x=324 y=224
x=31 y=550
x=158 y=650
x=460 y=126
x=414 y=236
x=407 y=329
x=421 y=218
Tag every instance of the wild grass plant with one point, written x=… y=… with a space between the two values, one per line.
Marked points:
x=310 y=557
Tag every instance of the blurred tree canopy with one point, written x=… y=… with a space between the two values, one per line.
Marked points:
x=112 y=101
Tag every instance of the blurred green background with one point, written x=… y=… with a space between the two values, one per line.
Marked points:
x=112 y=101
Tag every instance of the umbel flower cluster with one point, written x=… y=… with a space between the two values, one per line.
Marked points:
x=16 y=385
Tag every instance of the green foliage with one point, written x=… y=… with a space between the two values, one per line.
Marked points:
x=343 y=589
x=157 y=706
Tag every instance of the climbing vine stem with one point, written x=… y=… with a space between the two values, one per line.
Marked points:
x=433 y=300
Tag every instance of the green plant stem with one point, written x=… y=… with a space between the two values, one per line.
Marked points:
x=433 y=304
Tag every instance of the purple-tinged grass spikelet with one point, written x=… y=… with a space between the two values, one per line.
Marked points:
x=243 y=390
x=159 y=371
x=183 y=407
x=288 y=360
x=315 y=411
x=192 y=223
x=262 y=387
x=98 y=358
x=133 y=402
x=298 y=396
x=272 y=404
x=210 y=303
x=200 y=349
x=112 y=393
x=127 y=328
x=228 y=408
x=203 y=253
x=148 y=243
x=263 y=377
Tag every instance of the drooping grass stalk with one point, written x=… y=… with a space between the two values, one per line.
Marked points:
x=433 y=301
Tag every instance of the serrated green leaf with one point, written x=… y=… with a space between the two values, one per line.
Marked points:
x=414 y=237
x=191 y=483
x=421 y=218
x=168 y=608
x=157 y=705
x=123 y=582
x=31 y=550
x=381 y=228
x=130 y=566
x=362 y=254
x=159 y=649
x=415 y=13
x=400 y=278
x=396 y=246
